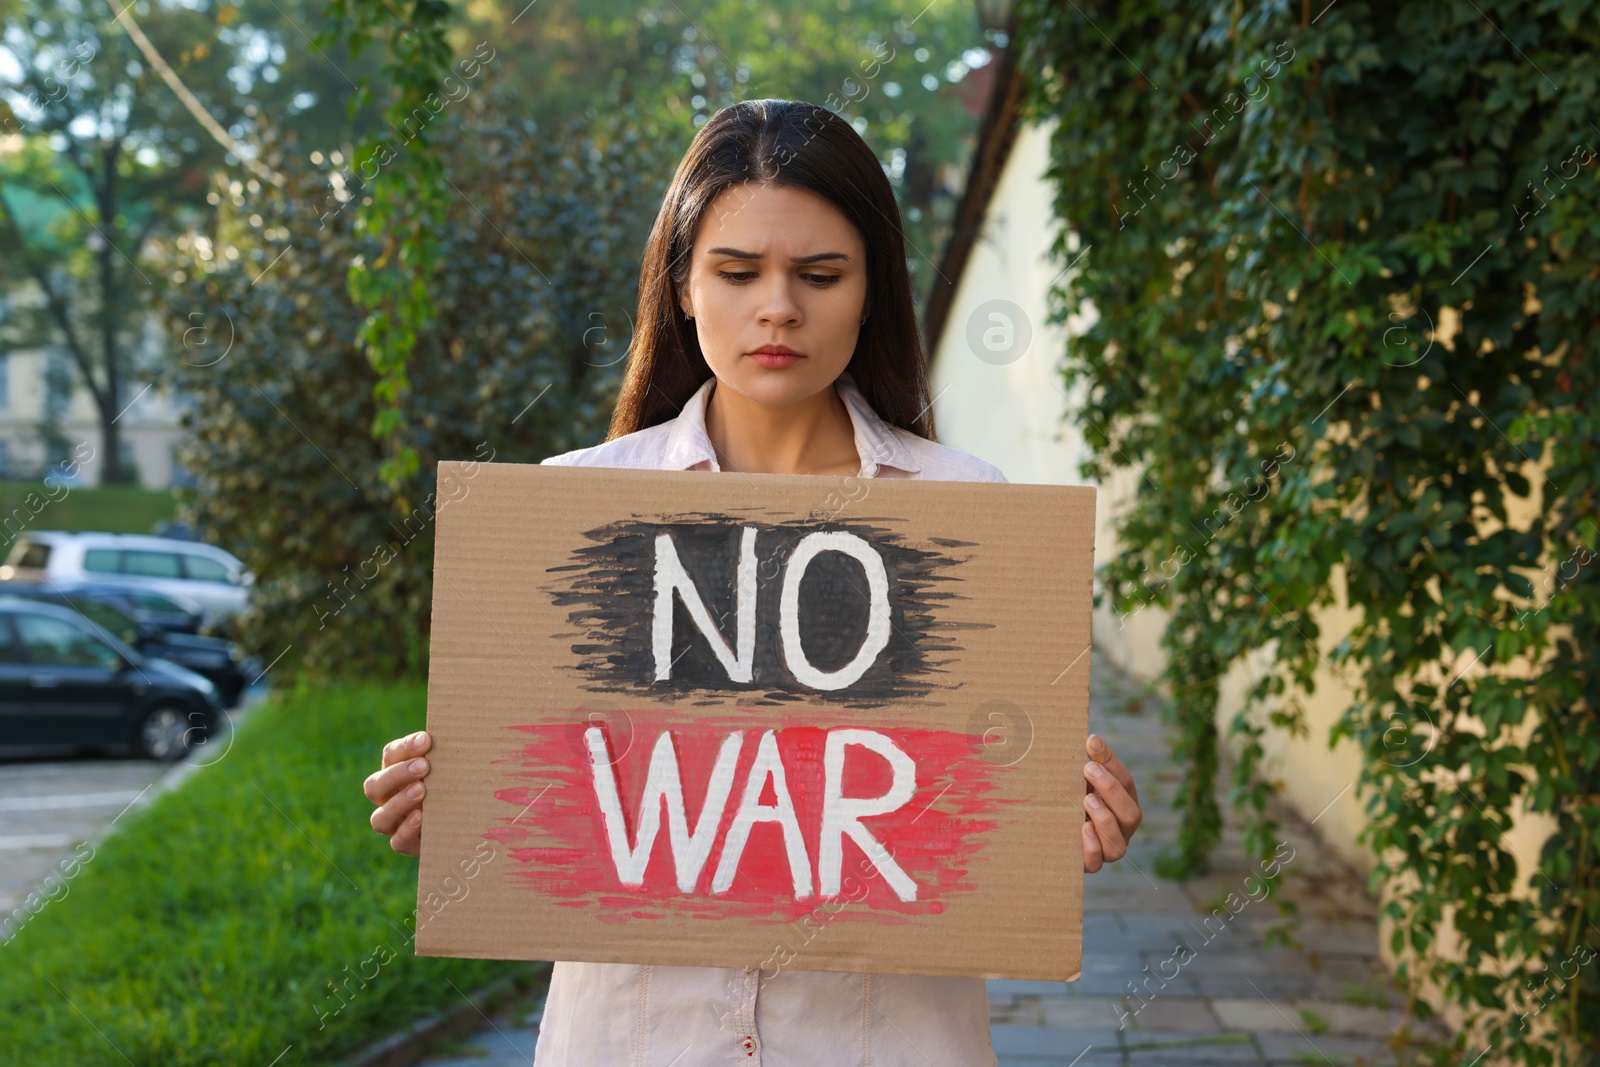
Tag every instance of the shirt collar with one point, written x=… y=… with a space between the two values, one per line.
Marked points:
x=876 y=441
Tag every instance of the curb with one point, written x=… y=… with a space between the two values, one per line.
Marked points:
x=412 y=1044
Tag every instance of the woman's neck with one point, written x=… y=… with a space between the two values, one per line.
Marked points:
x=810 y=436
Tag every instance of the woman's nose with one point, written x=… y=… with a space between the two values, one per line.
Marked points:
x=778 y=305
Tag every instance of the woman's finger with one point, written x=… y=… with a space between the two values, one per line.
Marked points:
x=408 y=747
x=1113 y=846
x=382 y=785
x=1111 y=790
x=1100 y=750
x=1093 y=855
x=388 y=817
x=407 y=840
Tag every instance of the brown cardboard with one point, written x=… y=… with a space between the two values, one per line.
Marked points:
x=545 y=686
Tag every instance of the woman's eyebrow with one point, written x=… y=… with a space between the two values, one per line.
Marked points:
x=737 y=254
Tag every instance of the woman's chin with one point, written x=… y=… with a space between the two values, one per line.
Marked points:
x=778 y=386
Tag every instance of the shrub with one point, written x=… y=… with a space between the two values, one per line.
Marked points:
x=534 y=294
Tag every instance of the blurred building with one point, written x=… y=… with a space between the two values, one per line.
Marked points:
x=46 y=412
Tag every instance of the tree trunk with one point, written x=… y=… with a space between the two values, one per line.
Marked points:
x=112 y=470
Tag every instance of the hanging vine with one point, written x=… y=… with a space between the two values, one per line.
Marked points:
x=403 y=203
x=1344 y=264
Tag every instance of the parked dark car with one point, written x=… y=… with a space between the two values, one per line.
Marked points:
x=66 y=683
x=153 y=609
x=223 y=662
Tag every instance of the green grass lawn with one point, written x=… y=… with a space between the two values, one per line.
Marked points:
x=112 y=508
x=211 y=927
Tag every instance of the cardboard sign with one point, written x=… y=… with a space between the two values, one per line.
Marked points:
x=724 y=720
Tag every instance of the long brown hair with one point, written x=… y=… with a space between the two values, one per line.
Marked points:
x=777 y=142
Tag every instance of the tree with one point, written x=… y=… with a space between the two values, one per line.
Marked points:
x=607 y=55
x=533 y=290
x=893 y=70
x=111 y=157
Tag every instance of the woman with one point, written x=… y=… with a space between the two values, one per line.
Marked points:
x=776 y=334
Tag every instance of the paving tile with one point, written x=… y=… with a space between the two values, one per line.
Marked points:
x=1081 y=1012
x=1150 y=925
x=1019 y=1011
x=1347 y=938
x=1056 y=1042
x=1128 y=889
x=1123 y=903
x=1010 y=987
x=1285 y=1016
x=1156 y=932
x=1152 y=1049
x=1091 y=1056
x=1101 y=929
x=1257 y=1015
x=1175 y=1014
x=1360 y=1020
x=1115 y=985
x=1224 y=955
x=1319 y=1050
x=1247 y=985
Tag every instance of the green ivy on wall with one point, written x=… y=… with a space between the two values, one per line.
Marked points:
x=1345 y=264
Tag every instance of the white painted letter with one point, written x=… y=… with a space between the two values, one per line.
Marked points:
x=877 y=637
x=767 y=764
x=670 y=575
x=842 y=815
x=689 y=850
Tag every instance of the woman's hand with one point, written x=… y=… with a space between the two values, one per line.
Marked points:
x=397 y=789
x=1110 y=806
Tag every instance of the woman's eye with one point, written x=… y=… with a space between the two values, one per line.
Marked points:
x=741 y=277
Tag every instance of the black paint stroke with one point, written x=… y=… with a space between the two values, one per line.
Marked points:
x=610 y=585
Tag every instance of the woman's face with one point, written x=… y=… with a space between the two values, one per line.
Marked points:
x=776 y=265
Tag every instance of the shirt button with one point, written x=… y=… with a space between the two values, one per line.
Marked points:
x=749 y=1044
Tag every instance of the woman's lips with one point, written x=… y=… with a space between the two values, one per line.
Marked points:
x=775 y=360
x=775 y=356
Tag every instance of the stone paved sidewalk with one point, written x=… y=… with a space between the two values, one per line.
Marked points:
x=1207 y=993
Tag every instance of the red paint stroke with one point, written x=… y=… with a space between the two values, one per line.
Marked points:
x=555 y=832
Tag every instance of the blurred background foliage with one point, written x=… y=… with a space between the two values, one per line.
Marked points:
x=866 y=60
x=102 y=159
x=534 y=294
x=118 y=203
x=897 y=71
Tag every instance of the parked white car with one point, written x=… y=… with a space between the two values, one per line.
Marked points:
x=185 y=570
